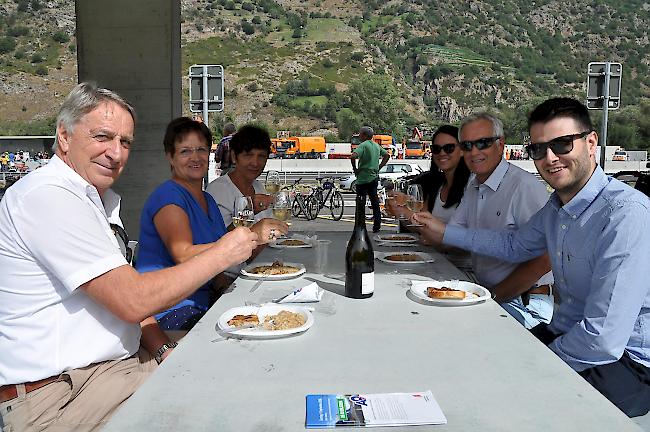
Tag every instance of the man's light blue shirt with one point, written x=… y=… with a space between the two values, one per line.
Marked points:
x=599 y=245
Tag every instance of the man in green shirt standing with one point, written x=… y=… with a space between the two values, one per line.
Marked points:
x=367 y=173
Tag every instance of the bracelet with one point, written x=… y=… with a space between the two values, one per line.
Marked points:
x=163 y=349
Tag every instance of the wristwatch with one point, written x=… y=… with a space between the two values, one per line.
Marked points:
x=163 y=349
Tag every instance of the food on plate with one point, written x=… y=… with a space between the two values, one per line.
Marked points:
x=446 y=293
x=277 y=268
x=242 y=320
x=397 y=238
x=292 y=242
x=404 y=257
x=284 y=320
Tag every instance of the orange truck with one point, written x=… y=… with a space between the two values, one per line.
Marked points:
x=416 y=149
x=309 y=147
x=386 y=141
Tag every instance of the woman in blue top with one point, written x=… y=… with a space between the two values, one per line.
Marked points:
x=179 y=220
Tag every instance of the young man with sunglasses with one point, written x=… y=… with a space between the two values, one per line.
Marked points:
x=503 y=196
x=596 y=230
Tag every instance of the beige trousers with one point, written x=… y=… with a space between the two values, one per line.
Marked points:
x=81 y=400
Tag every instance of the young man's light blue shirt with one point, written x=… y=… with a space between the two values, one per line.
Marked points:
x=599 y=245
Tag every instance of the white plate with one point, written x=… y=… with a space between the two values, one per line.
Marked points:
x=262 y=312
x=246 y=271
x=278 y=244
x=478 y=294
x=425 y=257
x=390 y=237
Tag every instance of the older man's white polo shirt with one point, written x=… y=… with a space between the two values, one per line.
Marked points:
x=505 y=201
x=55 y=237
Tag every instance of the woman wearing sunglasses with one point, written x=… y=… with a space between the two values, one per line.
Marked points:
x=444 y=183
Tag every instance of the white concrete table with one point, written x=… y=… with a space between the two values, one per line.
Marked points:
x=485 y=370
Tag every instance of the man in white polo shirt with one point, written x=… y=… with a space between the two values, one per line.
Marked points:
x=71 y=345
x=503 y=196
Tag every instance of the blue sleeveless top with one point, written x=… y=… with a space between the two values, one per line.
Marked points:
x=206 y=228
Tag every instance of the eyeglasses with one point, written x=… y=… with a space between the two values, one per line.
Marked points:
x=447 y=148
x=186 y=152
x=480 y=144
x=560 y=145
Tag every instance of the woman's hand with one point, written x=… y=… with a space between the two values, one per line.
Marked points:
x=262 y=202
x=269 y=229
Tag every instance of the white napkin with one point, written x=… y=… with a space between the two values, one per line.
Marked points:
x=307 y=294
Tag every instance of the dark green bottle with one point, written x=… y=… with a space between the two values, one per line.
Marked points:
x=359 y=258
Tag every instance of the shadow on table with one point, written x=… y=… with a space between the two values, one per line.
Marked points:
x=330 y=283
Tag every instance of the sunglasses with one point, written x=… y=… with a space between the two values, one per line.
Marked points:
x=447 y=148
x=480 y=144
x=560 y=145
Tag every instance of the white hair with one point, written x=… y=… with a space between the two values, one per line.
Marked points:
x=497 y=125
x=84 y=98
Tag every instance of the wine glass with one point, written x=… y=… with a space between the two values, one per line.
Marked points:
x=282 y=207
x=243 y=214
x=272 y=184
x=415 y=200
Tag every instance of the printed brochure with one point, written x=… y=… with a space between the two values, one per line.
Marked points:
x=367 y=410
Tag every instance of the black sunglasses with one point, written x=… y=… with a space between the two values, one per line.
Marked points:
x=447 y=148
x=480 y=144
x=560 y=145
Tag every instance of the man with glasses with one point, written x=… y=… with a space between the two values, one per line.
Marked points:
x=596 y=231
x=503 y=196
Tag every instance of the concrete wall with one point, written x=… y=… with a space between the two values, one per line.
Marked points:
x=31 y=144
x=133 y=48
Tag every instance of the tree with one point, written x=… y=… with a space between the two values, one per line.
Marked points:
x=348 y=123
x=7 y=44
x=376 y=101
x=61 y=37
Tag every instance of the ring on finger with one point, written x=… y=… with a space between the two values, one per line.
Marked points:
x=272 y=234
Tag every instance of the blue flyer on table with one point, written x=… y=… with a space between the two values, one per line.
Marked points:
x=367 y=410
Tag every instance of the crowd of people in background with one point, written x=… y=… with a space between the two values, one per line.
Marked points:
x=516 y=154
x=17 y=160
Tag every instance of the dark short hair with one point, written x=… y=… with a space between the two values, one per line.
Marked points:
x=561 y=107
x=250 y=137
x=178 y=129
x=447 y=130
x=229 y=129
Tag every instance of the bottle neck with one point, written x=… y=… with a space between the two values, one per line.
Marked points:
x=360 y=213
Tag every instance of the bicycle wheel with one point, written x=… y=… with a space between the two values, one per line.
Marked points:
x=337 y=205
x=295 y=207
x=313 y=207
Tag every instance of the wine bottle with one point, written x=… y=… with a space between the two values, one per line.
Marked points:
x=359 y=257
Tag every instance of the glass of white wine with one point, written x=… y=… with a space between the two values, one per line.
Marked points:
x=415 y=200
x=272 y=184
x=282 y=207
x=243 y=214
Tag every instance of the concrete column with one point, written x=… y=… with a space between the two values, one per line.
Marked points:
x=133 y=48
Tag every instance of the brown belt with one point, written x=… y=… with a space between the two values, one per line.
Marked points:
x=8 y=392
x=542 y=289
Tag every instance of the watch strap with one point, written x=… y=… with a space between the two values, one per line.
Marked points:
x=163 y=349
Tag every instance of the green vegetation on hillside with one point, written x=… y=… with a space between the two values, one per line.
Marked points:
x=423 y=62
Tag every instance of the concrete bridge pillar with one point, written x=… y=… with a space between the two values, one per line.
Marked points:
x=133 y=48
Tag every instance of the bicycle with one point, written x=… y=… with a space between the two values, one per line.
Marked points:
x=327 y=195
x=303 y=203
